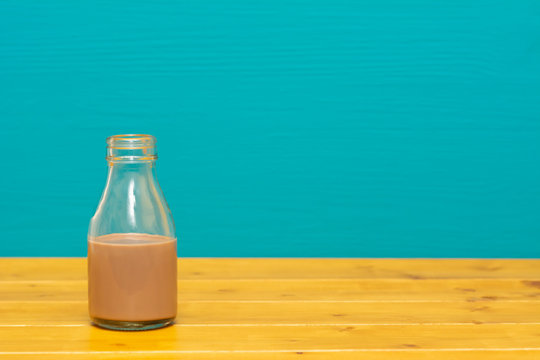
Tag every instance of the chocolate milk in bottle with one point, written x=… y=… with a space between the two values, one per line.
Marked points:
x=132 y=257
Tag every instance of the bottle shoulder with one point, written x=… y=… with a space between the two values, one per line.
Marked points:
x=132 y=203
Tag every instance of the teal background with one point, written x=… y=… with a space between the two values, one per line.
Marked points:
x=285 y=128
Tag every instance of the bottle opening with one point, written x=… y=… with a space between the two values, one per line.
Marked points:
x=131 y=147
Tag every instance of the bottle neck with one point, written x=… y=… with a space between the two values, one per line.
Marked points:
x=132 y=167
x=130 y=174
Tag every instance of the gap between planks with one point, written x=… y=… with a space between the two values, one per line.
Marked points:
x=521 y=354
x=287 y=325
x=262 y=351
x=30 y=281
x=292 y=301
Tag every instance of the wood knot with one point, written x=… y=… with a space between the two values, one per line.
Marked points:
x=480 y=308
x=487 y=268
x=532 y=283
x=413 y=276
x=466 y=289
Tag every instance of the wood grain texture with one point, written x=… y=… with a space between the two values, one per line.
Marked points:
x=296 y=314
x=398 y=354
x=235 y=309
x=207 y=339
x=241 y=268
x=368 y=290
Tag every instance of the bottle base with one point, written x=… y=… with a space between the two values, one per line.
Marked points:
x=132 y=325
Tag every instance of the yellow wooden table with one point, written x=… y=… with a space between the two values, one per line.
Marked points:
x=288 y=309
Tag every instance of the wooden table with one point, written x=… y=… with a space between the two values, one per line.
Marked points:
x=288 y=309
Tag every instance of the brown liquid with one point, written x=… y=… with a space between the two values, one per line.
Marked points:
x=132 y=277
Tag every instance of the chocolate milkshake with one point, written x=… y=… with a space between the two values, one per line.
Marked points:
x=132 y=278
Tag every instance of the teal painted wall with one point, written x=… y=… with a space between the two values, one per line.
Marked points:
x=285 y=128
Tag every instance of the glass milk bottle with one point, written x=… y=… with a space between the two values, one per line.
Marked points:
x=131 y=242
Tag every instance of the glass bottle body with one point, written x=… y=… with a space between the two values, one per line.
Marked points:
x=132 y=272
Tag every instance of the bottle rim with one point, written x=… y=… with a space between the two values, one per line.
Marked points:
x=131 y=148
x=131 y=141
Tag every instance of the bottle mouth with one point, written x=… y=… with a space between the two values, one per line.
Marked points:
x=131 y=148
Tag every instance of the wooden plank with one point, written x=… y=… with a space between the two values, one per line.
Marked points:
x=16 y=269
x=313 y=289
x=338 y=290
x=287 y=268
x=179 y=339
x=292 y=313
x=395 y=354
